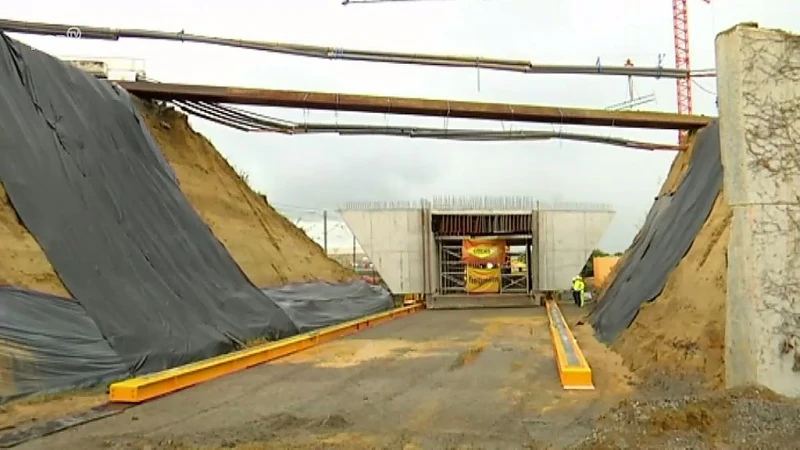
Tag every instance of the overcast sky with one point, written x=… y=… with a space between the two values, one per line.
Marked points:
x=304 y=174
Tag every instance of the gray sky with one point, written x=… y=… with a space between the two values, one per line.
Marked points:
x=303 y=174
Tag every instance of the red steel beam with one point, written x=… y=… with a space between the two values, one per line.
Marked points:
x=414 y=106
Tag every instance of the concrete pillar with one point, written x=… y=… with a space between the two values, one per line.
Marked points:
x=758 y=84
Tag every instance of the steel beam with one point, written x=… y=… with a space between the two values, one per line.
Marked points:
x=414 y=106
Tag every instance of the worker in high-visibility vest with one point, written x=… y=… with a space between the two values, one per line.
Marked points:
x=578 y=288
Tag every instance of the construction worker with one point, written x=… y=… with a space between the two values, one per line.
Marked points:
x=578 y=288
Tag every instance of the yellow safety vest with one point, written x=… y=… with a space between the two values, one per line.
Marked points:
x=578 y=285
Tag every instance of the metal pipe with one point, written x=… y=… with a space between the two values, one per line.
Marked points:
x=220 y=115
x=313 y=51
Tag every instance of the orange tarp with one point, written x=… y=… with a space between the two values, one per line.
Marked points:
x=483 y=281
x=483 y=251
x=602 y=266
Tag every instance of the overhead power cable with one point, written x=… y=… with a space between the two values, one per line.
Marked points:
x=252 y=122
x=335 y=53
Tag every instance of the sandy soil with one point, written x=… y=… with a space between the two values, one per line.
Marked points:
x=270 y=249
x=683 y=331
x=438 y=379
x=684 y=328
x=24 y=413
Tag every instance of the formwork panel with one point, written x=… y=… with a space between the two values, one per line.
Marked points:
x=566 y=239
x=393 y=240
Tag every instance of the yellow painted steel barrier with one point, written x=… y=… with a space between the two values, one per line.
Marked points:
x=140 y=389
x=573 y=369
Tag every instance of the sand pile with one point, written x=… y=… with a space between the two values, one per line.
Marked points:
x=684 y=329
x=267 y=246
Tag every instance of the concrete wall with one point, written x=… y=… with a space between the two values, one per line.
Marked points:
x=758 y=83
x=393 y=240
x=566 y=239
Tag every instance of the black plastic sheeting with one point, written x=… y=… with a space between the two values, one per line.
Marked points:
x=667 y=235
x=48 y=343
x=154 y=287
x=13 y=437
x=93 y=188
x=317 y=305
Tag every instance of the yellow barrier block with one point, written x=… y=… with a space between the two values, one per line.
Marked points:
x=140 y=389
x=573 y=369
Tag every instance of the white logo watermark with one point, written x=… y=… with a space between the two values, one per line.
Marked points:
x=73 y=32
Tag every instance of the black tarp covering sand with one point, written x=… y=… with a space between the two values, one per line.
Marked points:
x=50 y=343
x=667 y=235
x=153 y=287
x=316 y=305
x=92 y=187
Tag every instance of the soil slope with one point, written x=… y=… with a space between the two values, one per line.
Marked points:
x=683 y=331
x=267 y=246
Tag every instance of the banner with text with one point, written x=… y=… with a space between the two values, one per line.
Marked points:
x=483 y=281
x=483 y=251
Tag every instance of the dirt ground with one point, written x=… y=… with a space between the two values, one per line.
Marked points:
x=439 y=379
x=28 y=412
x=668 y=412
x=447 y=379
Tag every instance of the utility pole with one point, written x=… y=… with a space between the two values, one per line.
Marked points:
x=354 y=252
x=325 y=230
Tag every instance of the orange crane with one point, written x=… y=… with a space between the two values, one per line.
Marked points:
x=680 y=23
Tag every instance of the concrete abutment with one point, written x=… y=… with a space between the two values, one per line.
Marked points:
x=758 y=78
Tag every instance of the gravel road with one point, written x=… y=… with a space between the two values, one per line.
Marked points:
x=438 y=379
x=441 y=380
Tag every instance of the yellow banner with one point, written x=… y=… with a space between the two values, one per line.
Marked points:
x=483 y=251
x=483 y=281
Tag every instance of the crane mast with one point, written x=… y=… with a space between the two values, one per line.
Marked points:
x=680 y=23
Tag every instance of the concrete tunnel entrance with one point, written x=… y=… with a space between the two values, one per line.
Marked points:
x=484 y=254
x=418 y=247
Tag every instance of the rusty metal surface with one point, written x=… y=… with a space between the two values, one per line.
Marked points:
x=413 y=106
x=473 y=224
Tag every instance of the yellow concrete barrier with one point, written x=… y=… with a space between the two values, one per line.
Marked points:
x=140 y=389
x=573 y=369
